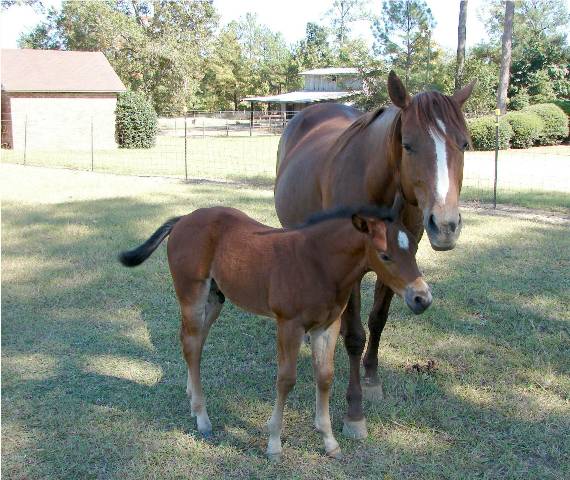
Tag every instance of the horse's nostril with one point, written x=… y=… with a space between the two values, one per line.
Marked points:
x=452 y=226
x=418 y=299
x=431 y=223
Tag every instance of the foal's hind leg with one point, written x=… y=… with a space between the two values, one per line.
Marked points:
x=289 y=339
x=199 y=310
x=323 y=343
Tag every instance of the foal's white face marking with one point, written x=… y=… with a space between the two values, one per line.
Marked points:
x=442 y=175
x=403 y=241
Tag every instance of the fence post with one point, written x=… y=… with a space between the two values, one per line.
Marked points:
x=227 y=128
x=497 y=116
x=185 y=146
x=25 y=138
x=203 y=127
x=92 y=154
x=251 y=119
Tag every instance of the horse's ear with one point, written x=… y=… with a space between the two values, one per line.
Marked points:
x=397 y=91
x=464 y=93
x=398 y=204
x=360 y=223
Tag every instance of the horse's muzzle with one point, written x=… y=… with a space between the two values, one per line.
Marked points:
x=418 y=299
x=443 y=234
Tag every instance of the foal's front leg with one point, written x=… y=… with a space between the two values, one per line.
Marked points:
x=289 y=338
x=323 y=343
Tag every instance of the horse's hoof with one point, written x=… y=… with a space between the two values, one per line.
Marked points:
x=275 y=457
x=335 y=453
x=206 y=434
x=355 y=429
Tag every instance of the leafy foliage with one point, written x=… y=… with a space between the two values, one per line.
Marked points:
x=527 y=127
x=555 y=123
x=483 y=133
x=136 y=121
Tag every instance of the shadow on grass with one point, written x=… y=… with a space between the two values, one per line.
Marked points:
x=92 y=369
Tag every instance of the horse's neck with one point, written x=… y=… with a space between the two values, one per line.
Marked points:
x=370 y=152
x=339 y=249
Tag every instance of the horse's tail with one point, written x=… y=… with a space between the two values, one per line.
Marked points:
x=136 y=256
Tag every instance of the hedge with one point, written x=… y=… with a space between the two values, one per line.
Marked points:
x=482 y=131
x=555 y=123
x=136 y=121
x=527 y=128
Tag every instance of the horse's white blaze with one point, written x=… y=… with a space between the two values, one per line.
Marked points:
x=403 y=241
x=442 y=174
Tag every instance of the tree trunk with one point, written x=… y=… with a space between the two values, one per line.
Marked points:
x=506 y=56
x=461 y=35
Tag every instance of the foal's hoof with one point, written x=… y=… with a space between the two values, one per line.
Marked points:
x=370 y=380
x=206 y=434
x=335 y=453
x=275 y=457
x=355 y=429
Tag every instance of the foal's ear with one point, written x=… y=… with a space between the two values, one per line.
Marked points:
x=464 y=93
x=374 y=227
x=360 y=223
x=397 y=91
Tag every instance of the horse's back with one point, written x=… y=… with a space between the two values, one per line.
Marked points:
x=303 y=148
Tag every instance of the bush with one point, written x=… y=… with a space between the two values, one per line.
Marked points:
x=564 y=105
x=527 y=127
x=555 y=123
x=519 y=100
x=136 y=121
x=482 y=131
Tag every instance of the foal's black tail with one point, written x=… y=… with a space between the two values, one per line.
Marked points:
x=136 y=256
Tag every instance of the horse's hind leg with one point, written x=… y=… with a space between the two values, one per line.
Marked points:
x=200 y=308
x=323 y=343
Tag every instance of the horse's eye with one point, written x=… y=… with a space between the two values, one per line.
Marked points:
x=407 y=147
x=465 y=146
x=384 y=257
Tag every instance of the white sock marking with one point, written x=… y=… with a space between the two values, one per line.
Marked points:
x=442 y=175
x=403 y=241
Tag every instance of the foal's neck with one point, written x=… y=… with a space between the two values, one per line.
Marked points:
x=339 y=249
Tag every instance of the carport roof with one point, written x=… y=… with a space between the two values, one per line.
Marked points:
x=28 y=70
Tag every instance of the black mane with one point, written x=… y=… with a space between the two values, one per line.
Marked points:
x=381 y=213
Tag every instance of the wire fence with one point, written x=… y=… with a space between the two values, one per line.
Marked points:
x=236 y=147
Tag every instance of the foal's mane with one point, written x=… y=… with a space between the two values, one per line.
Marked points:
x=381 y=213
x=427 y=107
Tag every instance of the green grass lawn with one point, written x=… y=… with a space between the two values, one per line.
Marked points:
x=94 y=382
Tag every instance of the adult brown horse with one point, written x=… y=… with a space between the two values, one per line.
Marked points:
x=332 y=155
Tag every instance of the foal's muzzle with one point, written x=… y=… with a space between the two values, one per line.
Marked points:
x=418 y=299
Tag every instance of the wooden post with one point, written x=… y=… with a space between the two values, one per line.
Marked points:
x=185 y=146
x=497 y=116
x=92 y=154
x=25 y=138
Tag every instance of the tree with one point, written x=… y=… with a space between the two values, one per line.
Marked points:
x=159 y=48
x=506 y=56
x=461 y=36
x=403 y=39
x=314 y=51
x=341 y=14
x=37 y=5
x=539 y=42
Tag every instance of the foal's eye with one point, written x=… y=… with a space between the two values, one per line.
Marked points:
x=407 y=147
x=384 y=257
x=465 y=146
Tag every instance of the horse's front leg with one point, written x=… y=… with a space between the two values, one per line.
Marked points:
x=376 y=322
x=354 y=340
x=289 y=338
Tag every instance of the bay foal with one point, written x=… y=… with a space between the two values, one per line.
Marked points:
x=301 y=277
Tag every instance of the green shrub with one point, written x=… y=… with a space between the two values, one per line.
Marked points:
x=136 y=121
x=564 y=105
x=519 y=100
x=482 y=131
x=555 y=123
x=527 y=127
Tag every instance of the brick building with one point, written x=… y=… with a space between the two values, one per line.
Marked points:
x=55 y=99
